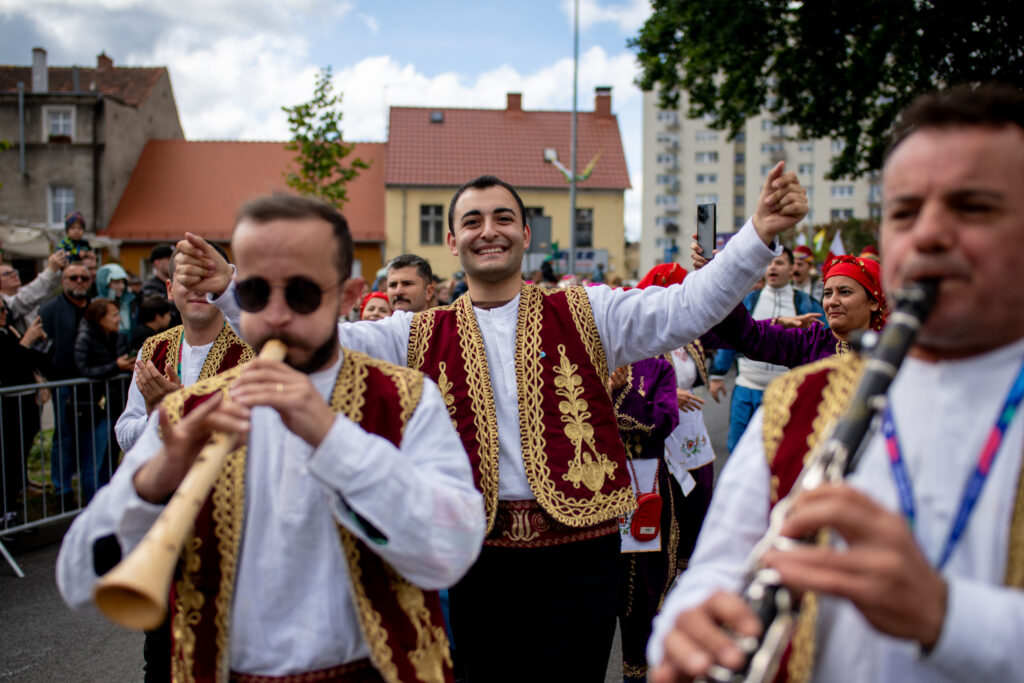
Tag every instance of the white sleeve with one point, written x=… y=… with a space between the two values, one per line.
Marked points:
x=116 y=510
x=638 y=324
x=982 y=635
x=133 y=420
x=29 y=296
x=736 y=521
x=415 y=505
x=386 y=339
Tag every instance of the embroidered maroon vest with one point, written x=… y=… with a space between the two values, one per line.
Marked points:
x=402 y=624
x=228 y=350
x=572 y=453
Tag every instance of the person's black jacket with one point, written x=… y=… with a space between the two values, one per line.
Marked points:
x=60 y=322
x=96 y=354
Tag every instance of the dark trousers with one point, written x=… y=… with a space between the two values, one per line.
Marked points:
x=538 y=614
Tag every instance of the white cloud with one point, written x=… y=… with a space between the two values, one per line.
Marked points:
x=628 y=15
x=371 y=23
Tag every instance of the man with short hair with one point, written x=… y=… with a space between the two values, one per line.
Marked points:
x=524 y=373
x=410 y=283
x=178 y=357
x=160 y=260
x=923 y=580
x=154 y=317
x=357 y=502
x=61 y=318
x=23 y=301
x=803 y=264
x=777 y=298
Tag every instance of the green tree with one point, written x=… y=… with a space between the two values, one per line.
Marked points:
x=316 y=140
x=831 y=68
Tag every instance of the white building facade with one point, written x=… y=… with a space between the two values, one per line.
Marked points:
x=686 y=163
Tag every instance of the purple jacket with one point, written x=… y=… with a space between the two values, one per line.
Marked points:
x=760 y=340
x=646 y=407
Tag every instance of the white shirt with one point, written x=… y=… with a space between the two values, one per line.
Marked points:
x=943 y=414
x=773 y=302
x=292 y=609
x=133 y=420
x=633 y=325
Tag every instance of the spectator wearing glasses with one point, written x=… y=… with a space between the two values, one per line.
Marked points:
x=23 y=300
x=61 y=317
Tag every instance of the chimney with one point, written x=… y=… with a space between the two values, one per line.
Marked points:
x=103 y=62
x=603 y=100
x=515 y=102
x=40 y=74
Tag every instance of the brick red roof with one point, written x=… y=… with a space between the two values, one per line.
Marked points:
x=130 y=85
x=180 y=185
x=507 y=143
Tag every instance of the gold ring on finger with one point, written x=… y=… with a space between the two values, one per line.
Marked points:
x=280 y=387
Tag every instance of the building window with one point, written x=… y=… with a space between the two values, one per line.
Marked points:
x=766 y=124
x=707 y=178
x=707 y=157
x=805 y=169
x=738 y=200
x=841 y=191
x=59 y=124
x=663 y=221
x=584 y=228
x=667 y=159
x=741 y=136
x=806 y=147
x=62 y=202
x=765 y=168
x=738 y=222
x=739 y=158
x=770 y=147
x=668 y=200
x=666 y=179
x=707 y=136
x=838 y=146
x=739 y=179
x=431 y=224
x=706 y=198
x=667 y=117
x=841 y=214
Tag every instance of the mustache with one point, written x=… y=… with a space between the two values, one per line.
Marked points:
x=934 y=266
x=400 y=297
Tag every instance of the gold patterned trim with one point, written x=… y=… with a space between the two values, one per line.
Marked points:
x=572 y=512
x=835 y=398
x=696 y=351
x=370 y=619
x=432 y=651
x=445 y=386
x=188 y=602
x=583 y=317
x=802 y=648
x=481 y=399
x=419 y=336
x=1015 y=547
x=626 y=388
x=224 y=341
x=408 y=384
x=173 y=338
x=228 y=516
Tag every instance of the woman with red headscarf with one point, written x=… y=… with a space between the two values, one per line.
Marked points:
x=375 y=306
x=852 y=299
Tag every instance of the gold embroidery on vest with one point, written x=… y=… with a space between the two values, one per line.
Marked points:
x=627 y=386
x=444 y=385
x=571 y=512
x=419 y=337
x=1015 y=542
x=522 y=530
x=221 y=345
x=369 y=618
x=173 y=338
x=583 y=317
x=591 y=467
x=188 y=603
x=432 y=651
x=408 y=385
x=481 y=399
x=228 y=517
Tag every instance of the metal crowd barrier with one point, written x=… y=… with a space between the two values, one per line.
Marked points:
x=49 y=461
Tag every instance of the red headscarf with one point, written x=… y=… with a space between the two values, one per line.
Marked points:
x=369 y=297
x=663 y=275
x=868 y=273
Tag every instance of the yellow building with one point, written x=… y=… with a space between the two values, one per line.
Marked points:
x=431 y=152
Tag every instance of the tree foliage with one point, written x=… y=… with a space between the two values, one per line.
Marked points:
x=316 y=139
x=831 y=68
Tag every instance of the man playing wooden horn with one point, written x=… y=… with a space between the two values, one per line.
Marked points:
x=357 y=501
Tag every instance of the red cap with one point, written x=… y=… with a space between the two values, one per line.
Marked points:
x=369 y=297
x=663 y=275
x=803 y=252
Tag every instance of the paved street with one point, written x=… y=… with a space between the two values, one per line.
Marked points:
x=44 y=642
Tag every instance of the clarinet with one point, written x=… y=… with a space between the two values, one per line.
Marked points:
x=832 y=460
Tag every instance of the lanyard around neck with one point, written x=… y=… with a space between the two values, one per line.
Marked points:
x=972 y=490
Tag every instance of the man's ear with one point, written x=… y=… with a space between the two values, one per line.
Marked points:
x=350 y=294
x=527 y=234
x=449 y=238
x=170 y=294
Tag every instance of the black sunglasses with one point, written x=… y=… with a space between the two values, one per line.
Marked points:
x=301 y=294
x=78 y=278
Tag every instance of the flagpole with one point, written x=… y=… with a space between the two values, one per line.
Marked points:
x=571 y=260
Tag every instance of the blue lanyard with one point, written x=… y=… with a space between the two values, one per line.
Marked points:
x=972 y=491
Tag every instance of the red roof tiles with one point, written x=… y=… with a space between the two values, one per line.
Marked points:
x=508 y=143
x=130 y=85
x=179 y=185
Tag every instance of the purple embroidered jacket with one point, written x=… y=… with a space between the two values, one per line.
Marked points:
x=760 y=340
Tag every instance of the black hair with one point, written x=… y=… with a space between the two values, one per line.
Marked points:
x=153 y=306
x=423 y=268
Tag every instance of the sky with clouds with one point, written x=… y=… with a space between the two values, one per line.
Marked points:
x=235 y=63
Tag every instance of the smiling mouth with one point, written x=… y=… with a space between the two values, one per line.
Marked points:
x=490 y=250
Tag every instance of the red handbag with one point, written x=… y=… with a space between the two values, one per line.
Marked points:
x=646 y=524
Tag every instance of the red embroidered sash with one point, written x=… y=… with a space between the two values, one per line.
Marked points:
x=572 y=453
x=402 y=624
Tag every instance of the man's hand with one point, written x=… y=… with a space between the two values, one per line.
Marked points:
x=882 y=571
x=125 y=363
x=56 y=261
x=782 y=204
x=618 y=378
x=200 y=267
x=697 y=253
x=717 y=389
x=153 y=385
x=33 y=333
x=160 y=476
x=698 y=639
x=688 y=401
x=798 y=321
x=289 y=392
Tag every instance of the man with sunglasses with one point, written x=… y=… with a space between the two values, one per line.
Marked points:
x=61 y=317
x=524 y=376
x=353 y=490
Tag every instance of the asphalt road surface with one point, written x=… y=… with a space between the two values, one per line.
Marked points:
x=42 y=641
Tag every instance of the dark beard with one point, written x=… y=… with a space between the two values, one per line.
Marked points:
x=318 y=361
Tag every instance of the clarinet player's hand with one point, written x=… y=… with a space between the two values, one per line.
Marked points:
x=881 y=571
x=698 y=640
